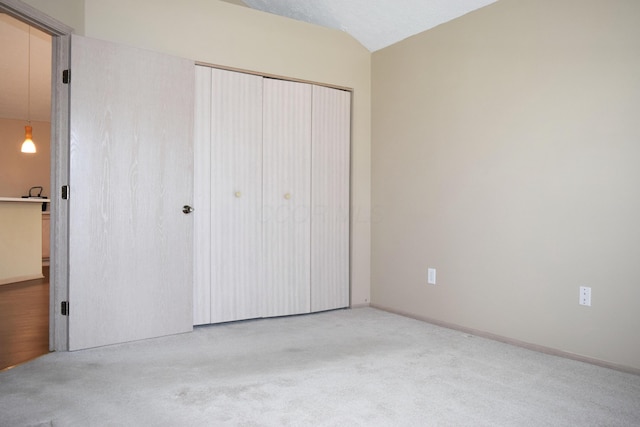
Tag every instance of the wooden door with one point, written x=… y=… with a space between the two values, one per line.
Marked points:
x=286 y=197
x=131 y=172
x=331 y=138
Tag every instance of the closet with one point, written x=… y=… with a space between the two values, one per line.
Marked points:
x=271 y=197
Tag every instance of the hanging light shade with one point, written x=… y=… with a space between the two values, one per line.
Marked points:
x=28 y=146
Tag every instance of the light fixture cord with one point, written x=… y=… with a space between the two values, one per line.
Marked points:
x=29 y=79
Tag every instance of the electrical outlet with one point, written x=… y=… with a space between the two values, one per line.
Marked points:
x=585 y=296
x=431 y=276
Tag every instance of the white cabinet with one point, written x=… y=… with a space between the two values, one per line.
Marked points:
x=272 y=197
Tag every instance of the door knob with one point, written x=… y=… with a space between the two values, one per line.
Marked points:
x=187 y=209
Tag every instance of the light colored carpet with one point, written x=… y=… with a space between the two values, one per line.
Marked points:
x=361 y=367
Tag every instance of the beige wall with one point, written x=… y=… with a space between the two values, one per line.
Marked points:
x=506 y=154
x=20 y=171
x=234 y=36
x=69 y=12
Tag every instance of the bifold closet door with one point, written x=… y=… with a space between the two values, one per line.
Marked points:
x=331 y=136
x=235 y=154
x=202 y=198
x=286 y=197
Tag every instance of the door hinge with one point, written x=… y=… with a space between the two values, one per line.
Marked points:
x=66 y=76
x=64 y=308
x=65 y=192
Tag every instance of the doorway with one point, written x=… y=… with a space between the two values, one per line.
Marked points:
x=26 y=93
x=59 y=159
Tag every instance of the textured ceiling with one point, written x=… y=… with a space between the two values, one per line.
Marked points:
x=374 y=23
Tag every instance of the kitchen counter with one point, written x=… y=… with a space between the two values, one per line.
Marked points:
x=23 y=200
x=20 y=239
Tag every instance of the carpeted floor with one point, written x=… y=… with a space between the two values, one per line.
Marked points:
x=360 y=367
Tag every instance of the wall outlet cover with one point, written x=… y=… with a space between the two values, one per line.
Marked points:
x=431 y=276
x=585 y=296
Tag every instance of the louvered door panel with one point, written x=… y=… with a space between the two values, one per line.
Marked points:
x=330 y=198
x=286 y=192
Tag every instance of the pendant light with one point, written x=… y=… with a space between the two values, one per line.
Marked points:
x=28 y=146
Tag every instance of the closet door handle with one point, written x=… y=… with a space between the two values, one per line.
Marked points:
x=186 y=209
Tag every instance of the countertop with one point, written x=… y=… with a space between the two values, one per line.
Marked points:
x=24 y=200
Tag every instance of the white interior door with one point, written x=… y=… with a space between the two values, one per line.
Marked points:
x=228 y=191
x=286 y=197
x=236 y=196
x=202 y=198
x=131 y=172
x=331 y=138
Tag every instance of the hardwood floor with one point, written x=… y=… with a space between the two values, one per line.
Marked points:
x=24 y=320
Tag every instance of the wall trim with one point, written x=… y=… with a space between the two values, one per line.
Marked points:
x=364 y=305
x=523 y=344
x=18 y=279
x=32 y=16
x=271 y=76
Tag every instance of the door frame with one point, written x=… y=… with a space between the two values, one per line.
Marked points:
x=59 y=266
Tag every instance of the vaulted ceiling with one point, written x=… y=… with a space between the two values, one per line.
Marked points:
x=374 y=23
